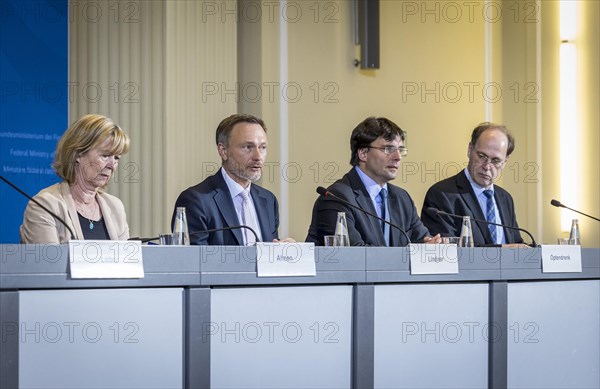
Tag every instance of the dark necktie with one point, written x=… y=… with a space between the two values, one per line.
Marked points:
x=490 y=214
x=385 y=215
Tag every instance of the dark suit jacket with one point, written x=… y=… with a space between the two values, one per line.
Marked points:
x=209 y=205
x=363 y=229
x=455 y=195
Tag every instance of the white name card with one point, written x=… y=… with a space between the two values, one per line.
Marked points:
x=561 y=258
x=433 y=259
x=285 y=259
x=106 y=259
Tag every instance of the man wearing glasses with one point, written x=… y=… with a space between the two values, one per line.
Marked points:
x=377 y=146
x=472 y=191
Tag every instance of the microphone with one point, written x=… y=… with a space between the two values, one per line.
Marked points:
x=434 y=211
x=145 y=240
x=41 y=206
x=324 y=192
x=557 y=203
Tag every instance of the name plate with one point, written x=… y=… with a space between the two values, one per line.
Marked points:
x=433 y=259
x=285 y=259
x=106 y=259
x=561 y=258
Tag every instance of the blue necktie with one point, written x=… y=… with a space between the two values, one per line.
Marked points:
x=490 y=215
x=385 y=216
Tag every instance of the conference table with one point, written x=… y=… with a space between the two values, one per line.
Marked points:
x=202 y=318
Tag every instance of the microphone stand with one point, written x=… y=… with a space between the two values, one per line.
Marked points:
x=40 y=205
x=324 y=192
x=557 y=203
x=438 y=213
x=145 y=240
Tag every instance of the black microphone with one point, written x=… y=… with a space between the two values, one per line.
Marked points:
x=324 y=192
x=41 y=206
x=557 y=203
x=434 y=211
x=145 y=240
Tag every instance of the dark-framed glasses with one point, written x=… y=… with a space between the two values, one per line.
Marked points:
x=484 y=159
x=391 y=149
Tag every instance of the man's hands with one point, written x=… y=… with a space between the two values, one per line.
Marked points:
x=433 y=239
x=285 y=240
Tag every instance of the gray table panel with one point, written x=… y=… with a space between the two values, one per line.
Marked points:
x=46 y=266
x=9 y=340
x=281 y=337
x=554 y=334
x=250 y=278
x=405 y=276
x=425 y=328
x=260 y=304
x=118 y=338
x=520 y=264
x=235 y=265
x=239 y=258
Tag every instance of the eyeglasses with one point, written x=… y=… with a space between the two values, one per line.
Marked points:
x=391 y=149
x=484 y=159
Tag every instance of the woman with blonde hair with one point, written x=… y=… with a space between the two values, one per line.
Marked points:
x=86 y=157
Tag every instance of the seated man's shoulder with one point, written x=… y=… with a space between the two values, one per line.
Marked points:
x=447 y=182
x=206 y=186
x=262 y=190
x=398 y=192
x=501 y=191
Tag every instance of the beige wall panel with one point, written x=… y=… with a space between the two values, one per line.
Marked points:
x=428 y=66
x=588 y=48
x=115 y=67
x=148 y=64
x=521 y=99
x=169 y=71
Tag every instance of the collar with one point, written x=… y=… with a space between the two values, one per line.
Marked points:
x=373 y=188
x=234 y=188
x=478 y=189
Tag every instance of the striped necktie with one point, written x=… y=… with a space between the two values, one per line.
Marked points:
x=490 y=214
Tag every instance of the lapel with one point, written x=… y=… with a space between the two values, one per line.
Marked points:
x=468 y=196
x=363 y=200
x=395 y=218
x=72 y=211
x=108 y=218
x=502 y=205
x=224 y=204
x=260 y=205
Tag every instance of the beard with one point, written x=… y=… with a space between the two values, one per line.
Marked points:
x=244 y=172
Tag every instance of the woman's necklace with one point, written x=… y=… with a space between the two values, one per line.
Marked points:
x=91 y=225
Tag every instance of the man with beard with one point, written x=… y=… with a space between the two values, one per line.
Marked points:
x=377 y=146
x=472 y=191
x=229 y=198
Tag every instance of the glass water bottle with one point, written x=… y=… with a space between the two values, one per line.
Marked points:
x=466 y=233
x=574 y=237
x=341 y=229
x=181 y=235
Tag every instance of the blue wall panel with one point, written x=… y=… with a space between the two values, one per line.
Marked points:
x=33 y=100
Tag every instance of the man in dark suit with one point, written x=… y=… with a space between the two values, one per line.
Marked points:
x=472 y=191
x=229 y=198
x=377 y=148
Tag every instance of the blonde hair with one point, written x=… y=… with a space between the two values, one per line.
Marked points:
x=85 y=134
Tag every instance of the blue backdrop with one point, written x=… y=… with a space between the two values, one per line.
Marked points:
x=33 y=100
